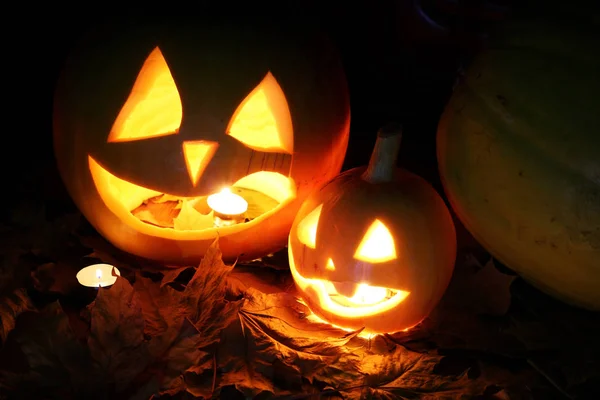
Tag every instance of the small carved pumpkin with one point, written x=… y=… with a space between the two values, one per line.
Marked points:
x=150 y=120
x=375 y=247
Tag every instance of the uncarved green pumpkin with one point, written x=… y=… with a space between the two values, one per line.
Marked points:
x=519 y=156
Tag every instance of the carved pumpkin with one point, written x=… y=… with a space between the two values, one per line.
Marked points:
x=375 y=247
x=151 y=120
x=519 y=154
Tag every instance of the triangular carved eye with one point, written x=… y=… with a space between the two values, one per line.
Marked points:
x=262 y=121
x=307 y=228
x=153 y=107
x=377 y=245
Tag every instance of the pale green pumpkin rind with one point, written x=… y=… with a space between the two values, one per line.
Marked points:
x=519 y=153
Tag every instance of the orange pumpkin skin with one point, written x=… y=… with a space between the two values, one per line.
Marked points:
x=214 y=69
x=419 y=266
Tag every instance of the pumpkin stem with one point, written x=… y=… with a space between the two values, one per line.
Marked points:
x=383 y=158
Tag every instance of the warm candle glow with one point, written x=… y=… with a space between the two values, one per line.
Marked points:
x=98 y=275
x=227 y=203
x=366 y=294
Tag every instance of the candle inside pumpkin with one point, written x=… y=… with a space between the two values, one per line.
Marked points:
x=366 y=294
x=97 y=275
x=228 y=208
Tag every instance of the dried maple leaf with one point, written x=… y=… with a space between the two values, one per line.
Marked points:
x=191 y=216
x=58 y=364
x=401 y=373
x=277 y=260
x=107 y=253
x=56 y=277
x=159 y=305
x=184 y=360
x=11 y=306
x=141 y=342
x=561 y=341
x=482 y=289
x=278 y=344
x=116 y=340
x=462 y=320
x=23 y=248
x=171 y=275
x=184 y=326
x=266 y=280
x=159 y=212
x=175 y=343
x=13 y=274
x=152 y=338
x=206 y=308
x=109 y=258
x=276 y=347
x=204 y=296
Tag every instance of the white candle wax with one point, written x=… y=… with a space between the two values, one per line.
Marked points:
x=227 y=203
x=97 y=275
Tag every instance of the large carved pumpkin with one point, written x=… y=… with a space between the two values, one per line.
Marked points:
x=519 y=155
x=375 y=247
x=149 y=120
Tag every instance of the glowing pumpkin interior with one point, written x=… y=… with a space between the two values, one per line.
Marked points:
x=350 y=299
x=262 y=122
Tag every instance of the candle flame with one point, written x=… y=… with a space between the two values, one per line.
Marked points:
x=99 y=273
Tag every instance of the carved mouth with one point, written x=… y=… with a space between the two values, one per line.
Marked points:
x=365 y=301
x=363 y=295
x=188 y=218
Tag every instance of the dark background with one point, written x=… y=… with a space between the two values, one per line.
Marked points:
x=399 y=66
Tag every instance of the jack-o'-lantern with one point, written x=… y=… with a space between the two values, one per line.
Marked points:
x=375 y=247
x=150 y=121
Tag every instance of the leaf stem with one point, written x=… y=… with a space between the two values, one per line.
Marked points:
x=214 y=380
x=548 y=378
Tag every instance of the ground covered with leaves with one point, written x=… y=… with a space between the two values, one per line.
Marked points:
x=219 y=331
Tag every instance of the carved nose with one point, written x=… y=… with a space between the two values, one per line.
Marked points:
x=197 y=154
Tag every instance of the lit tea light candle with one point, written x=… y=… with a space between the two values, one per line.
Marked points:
x=97 y=275
x=228 y=208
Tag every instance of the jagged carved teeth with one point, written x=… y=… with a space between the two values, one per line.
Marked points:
x=358 y=294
